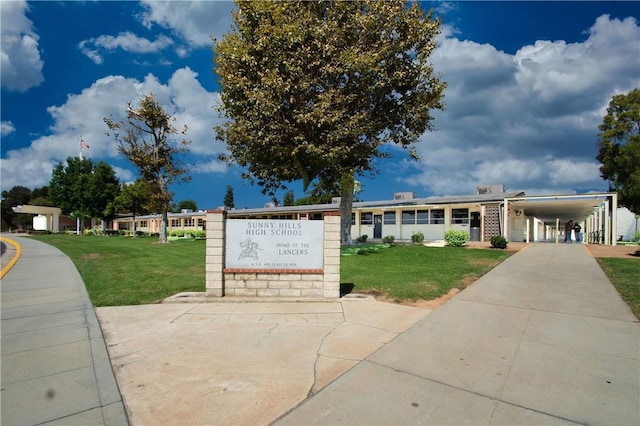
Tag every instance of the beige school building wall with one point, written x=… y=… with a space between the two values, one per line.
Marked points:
x=511 y=214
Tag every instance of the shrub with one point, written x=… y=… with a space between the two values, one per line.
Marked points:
x=499 y=242
x=388 y=239
x=417 y=238
x=362 y=238
x=456 y=238
x=636 y=237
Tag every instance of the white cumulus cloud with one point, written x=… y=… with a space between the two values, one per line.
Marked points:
x=21 y=65
x=528 y=120
x=7 y=128
x=126 y=41
x=81 y=116
x=195 y=21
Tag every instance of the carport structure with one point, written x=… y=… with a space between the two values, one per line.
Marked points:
x=542 y=217
x=51 y=213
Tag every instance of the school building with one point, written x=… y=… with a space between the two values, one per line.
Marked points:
x=491 y=211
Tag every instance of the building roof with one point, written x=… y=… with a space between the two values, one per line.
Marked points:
x=428 y=201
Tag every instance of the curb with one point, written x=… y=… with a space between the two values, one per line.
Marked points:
x=14 y=259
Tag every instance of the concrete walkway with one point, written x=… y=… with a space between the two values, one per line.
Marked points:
x=55 y=367
x=544 y=338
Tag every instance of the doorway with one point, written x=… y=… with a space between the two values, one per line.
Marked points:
x=377 y=226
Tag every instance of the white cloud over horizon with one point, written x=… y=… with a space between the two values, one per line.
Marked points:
x=527 y=120
x=81 y=116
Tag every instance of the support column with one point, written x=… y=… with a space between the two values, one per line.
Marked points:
x=607 y=224
x=557 y=229
x=214 y=256
x=331 y=259
x=614 y=219
x=505 y=220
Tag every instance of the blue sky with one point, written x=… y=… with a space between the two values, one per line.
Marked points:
x=528 y=84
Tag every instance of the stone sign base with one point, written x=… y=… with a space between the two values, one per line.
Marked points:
x=271 y=283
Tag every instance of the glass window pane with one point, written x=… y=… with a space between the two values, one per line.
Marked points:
x=423 y=217
x=366 y=218
x=460 y=216
x=389 y=218
x=409 y=217
x=437 y=217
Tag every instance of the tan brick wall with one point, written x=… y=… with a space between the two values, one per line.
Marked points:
x=301 y=284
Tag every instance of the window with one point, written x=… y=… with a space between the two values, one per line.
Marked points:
x=200 y=222
x=143 y=224
x=366 y=218
x=460 y=216
x=422 y=217
x=189 y=221
x=317 y=216
x=389 y=218
x=437 y=217
x=353 y=218
x=175 y=223
x=409 y=217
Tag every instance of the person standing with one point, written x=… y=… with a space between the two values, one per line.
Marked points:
x=576 y=229
x=568 y=227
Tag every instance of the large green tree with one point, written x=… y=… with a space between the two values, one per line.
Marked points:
x=619 y=148
x=148 y=140
x=82 y=189
x=313 y=91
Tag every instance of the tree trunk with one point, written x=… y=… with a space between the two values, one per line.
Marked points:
x=164 y=226
x=346 y=207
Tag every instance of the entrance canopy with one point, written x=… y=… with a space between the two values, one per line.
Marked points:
x=548 y=208
x=597 y=210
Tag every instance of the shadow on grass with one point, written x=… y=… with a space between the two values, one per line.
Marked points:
x=346 y=288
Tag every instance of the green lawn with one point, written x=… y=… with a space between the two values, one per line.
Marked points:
x=411 y=272
x=133 y=271
x=624 y=274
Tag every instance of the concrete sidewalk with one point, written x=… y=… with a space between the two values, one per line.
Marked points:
x=55 y=367
x=544 y=338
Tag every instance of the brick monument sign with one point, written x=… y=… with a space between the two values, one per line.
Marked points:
x=272 y=258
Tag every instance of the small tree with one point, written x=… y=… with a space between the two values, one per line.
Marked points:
x=228 y=198
x=619 y=148
x=133 y=198
x=186 y=205
x=147 y=140
x=289 y=199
